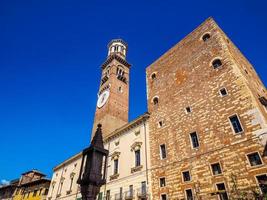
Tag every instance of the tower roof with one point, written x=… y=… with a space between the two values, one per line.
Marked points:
x=118 y=40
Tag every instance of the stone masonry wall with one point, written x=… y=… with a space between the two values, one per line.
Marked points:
x=185 y=77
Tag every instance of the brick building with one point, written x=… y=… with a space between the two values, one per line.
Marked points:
x=208 y=120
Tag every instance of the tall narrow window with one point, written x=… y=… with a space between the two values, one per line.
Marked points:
x=131 y=190
x=162 y=182
x=194 y=140
x=100 y=195
x=254 y=159
x=40 y=192
x=108 y=195
x=262 y=181
x=120 y=192
x=60 y=187
x=137 y=158
x=163 y=154
x=46 y=191
x=216 y=168
x=163 y=196
x=223 y=194
x=116 y=166
x=71 y=182
x=143 y=187
x=34 y=193
x=236 y=125
x=186 y=176
x=189 y=194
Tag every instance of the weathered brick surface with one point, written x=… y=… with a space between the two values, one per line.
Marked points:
x=114 y=114
x=185 y=77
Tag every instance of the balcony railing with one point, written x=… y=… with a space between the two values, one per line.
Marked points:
x=106 y=197
x=142 y=193
x=118 y=196
x=129 y=195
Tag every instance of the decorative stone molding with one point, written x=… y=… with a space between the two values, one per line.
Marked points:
x=137 y=132
x=114 y=176
x=115 y=155
x=136 y=146
x=117 y=142
x=72 y=174
x=68 y=192
x=136 y=169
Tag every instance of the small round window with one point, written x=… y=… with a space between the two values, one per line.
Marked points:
x=206 y=37
x=155 y=100
x=216 y=63
x=153 y=76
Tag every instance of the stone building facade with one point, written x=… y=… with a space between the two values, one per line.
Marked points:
x=128 y=175
x=7 y=191
x=33 y=185
x=208 y=120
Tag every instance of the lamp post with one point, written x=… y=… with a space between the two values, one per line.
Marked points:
x=92 y=173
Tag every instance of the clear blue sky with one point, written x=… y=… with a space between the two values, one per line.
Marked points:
x=50 y=57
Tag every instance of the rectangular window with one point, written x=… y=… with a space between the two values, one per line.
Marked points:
x=108 y=195
x=163 y=151
x=40 y=192
x=223 y=194
x=263 y=101
x=262 y=181
x=194 y=140
x=162 y=182
x=186 y=176
x=116 y=166
x=100 y=195
x=71 y=182
x=254 y=159
x=34 y=193
x=163 y=196
x=189 y=194
x=137 y=158
x=46 y=191
x=121 y=192
x=188 y=109
x=236 y=124
x=216 y=169
x=131 y=190
x=223 y=92
x=143 y=187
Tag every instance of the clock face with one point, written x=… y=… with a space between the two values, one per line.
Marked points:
x=102 y=99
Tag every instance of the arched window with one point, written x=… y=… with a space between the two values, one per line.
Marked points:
x=206 y=37
x=153 y=76
x=155 y=100
x=216 y=63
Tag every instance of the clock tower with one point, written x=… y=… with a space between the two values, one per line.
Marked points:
x=113 y=95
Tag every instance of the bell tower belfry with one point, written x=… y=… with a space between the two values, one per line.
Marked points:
x=113 y=96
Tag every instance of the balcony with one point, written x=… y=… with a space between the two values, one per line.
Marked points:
x=106 y=197
x=136 y=169
x=118 y=196
x=142 y=193
x=129 y=195
x=114 y=176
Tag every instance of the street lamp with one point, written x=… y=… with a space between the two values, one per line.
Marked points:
x=92 y=173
